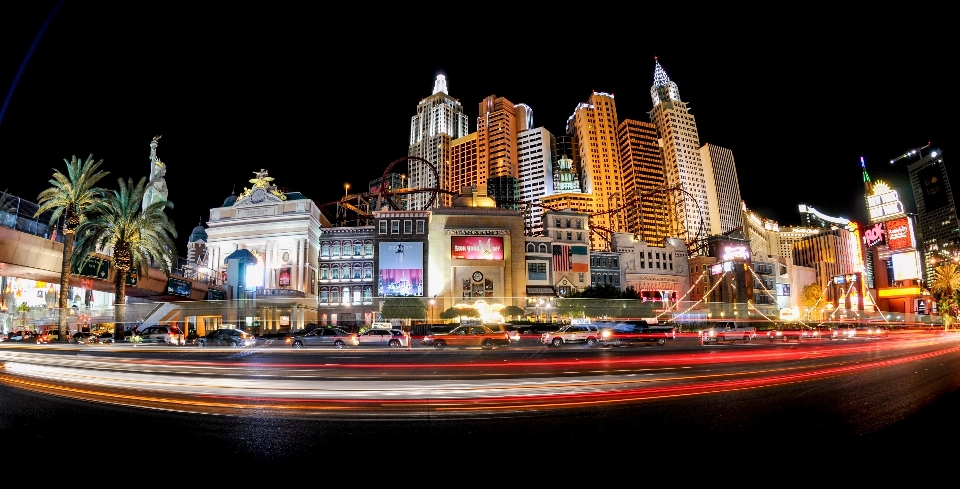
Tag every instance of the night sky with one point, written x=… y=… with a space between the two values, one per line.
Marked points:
x=320 y=99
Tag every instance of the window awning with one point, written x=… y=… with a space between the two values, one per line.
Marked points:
x=541 y=290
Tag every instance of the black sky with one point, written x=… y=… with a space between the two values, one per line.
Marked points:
x=321 y=98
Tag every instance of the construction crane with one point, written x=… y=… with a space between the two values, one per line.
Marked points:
x=909 y=153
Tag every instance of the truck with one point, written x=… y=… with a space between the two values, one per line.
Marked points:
x=728 y=331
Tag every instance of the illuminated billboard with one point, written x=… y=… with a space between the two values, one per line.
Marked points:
x=905 y=266
x=899 y=235
x=476 y=248
x=875 y=235
x=401 y=269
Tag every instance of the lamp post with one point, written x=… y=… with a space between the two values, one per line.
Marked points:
x=433 y=302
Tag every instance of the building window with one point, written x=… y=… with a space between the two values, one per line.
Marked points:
x=395 y=227
x=334 y=296
x=580 y=276
x=536 y=271
x=558 y=222
x=367 y=294
x=335 y=249
x=568 y=222
x=421 y=225
x=615 y=263
x=383 y=227
x=324 y=295
x=543 y=249
x=368 y=248
x=559 y=235
x=335 y=273
x=531 y=247
x=569 y=236
x=357 y=270
x=407 y=227
x=324 y=273
x=579 y=236
x=579 y=224
x=368 y=270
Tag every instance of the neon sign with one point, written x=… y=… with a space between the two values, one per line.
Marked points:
x=898 y=234
x=736 y=252
x=875 y=235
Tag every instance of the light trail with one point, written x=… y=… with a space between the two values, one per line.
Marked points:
x=109 y=381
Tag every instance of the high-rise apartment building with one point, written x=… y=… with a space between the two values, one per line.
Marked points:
x=535 y=173
x=681 y=152
x=497 y=137
x=641 y=168
x=440 y=119
x=594 y=123
x=937 y=221
x=719 y=162
x=465 y=171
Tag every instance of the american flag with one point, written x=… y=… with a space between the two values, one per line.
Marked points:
x=561 y=258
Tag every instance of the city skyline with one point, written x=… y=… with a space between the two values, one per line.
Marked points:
x=229 y=105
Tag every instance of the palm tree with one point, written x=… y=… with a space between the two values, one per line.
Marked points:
x=71 y=197
x=946 y=284
x=138 y=237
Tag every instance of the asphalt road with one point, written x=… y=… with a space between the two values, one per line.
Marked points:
x=861 y=397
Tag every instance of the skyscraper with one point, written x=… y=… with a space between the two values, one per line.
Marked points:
x=681 y=152
x=536 y=174
x=594 y=123
x=439 y=120
x=719 y=162
x=938 y=226
x=641 y=167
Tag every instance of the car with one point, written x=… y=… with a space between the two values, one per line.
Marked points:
x=512 y=331
x=80 y=337
x=232 y=337
x=102 y=338
x=845 y=330
x=393 y=338
x=468 y=336
x=572 y=333
x=791 y=331
x=167 y=334
x=635 y=332
x=328 y=336
x=42 y=338
x=872 y=330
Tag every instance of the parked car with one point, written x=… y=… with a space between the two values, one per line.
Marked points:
x=572 y=333
x=234 y=338
x=334 y=337
x=393 y=338
x=169 y=335
x=468 y=336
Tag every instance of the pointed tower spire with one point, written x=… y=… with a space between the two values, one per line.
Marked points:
x=660 y=78
x=440 y=85
x=867 y=184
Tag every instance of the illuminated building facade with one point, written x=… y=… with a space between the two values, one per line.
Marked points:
x=281 y=230
x=566 y=164
x=730 y=280
x=657 y=273
x=570 y=231
x=683 y=164
x=937 y=223
x=475 y=254
x=594 y=124
x=440 y=119
x=346 y=276
x=831 y=253
x=464 y=169
x=720 y=162
x=536 y=175
x=641 y=167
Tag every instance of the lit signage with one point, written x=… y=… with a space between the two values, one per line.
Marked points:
x=875 y=235
x=898 y=291
x=905 y=266
x=845 y=279
x=476 y=248
x=898 y=234
x=884 y=203
x=716 y=269
x=401 y=269
x=736 y=252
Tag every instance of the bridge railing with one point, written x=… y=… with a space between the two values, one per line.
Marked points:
x=17 y=214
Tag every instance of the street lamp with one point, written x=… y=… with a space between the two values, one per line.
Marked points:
x=433 y=302
x=346 y=189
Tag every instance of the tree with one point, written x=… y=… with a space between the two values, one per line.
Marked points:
x=403 y=308
x=71 y=197
x=810 y=295
x=946 y=284
x=512 y=311
x=138 y=237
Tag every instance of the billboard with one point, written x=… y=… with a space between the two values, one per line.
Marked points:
x=401 y=269
x=179 y=287
x=934 y=189
x=874 y=236
x=899 y=235
x=905 y=266
x=476 y=247
x=284 y=278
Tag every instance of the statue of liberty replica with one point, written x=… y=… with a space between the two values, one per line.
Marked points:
x=157 y=186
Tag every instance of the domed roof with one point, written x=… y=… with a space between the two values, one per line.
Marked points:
x=229 y=201
x=473 y=197
x=199 y=233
